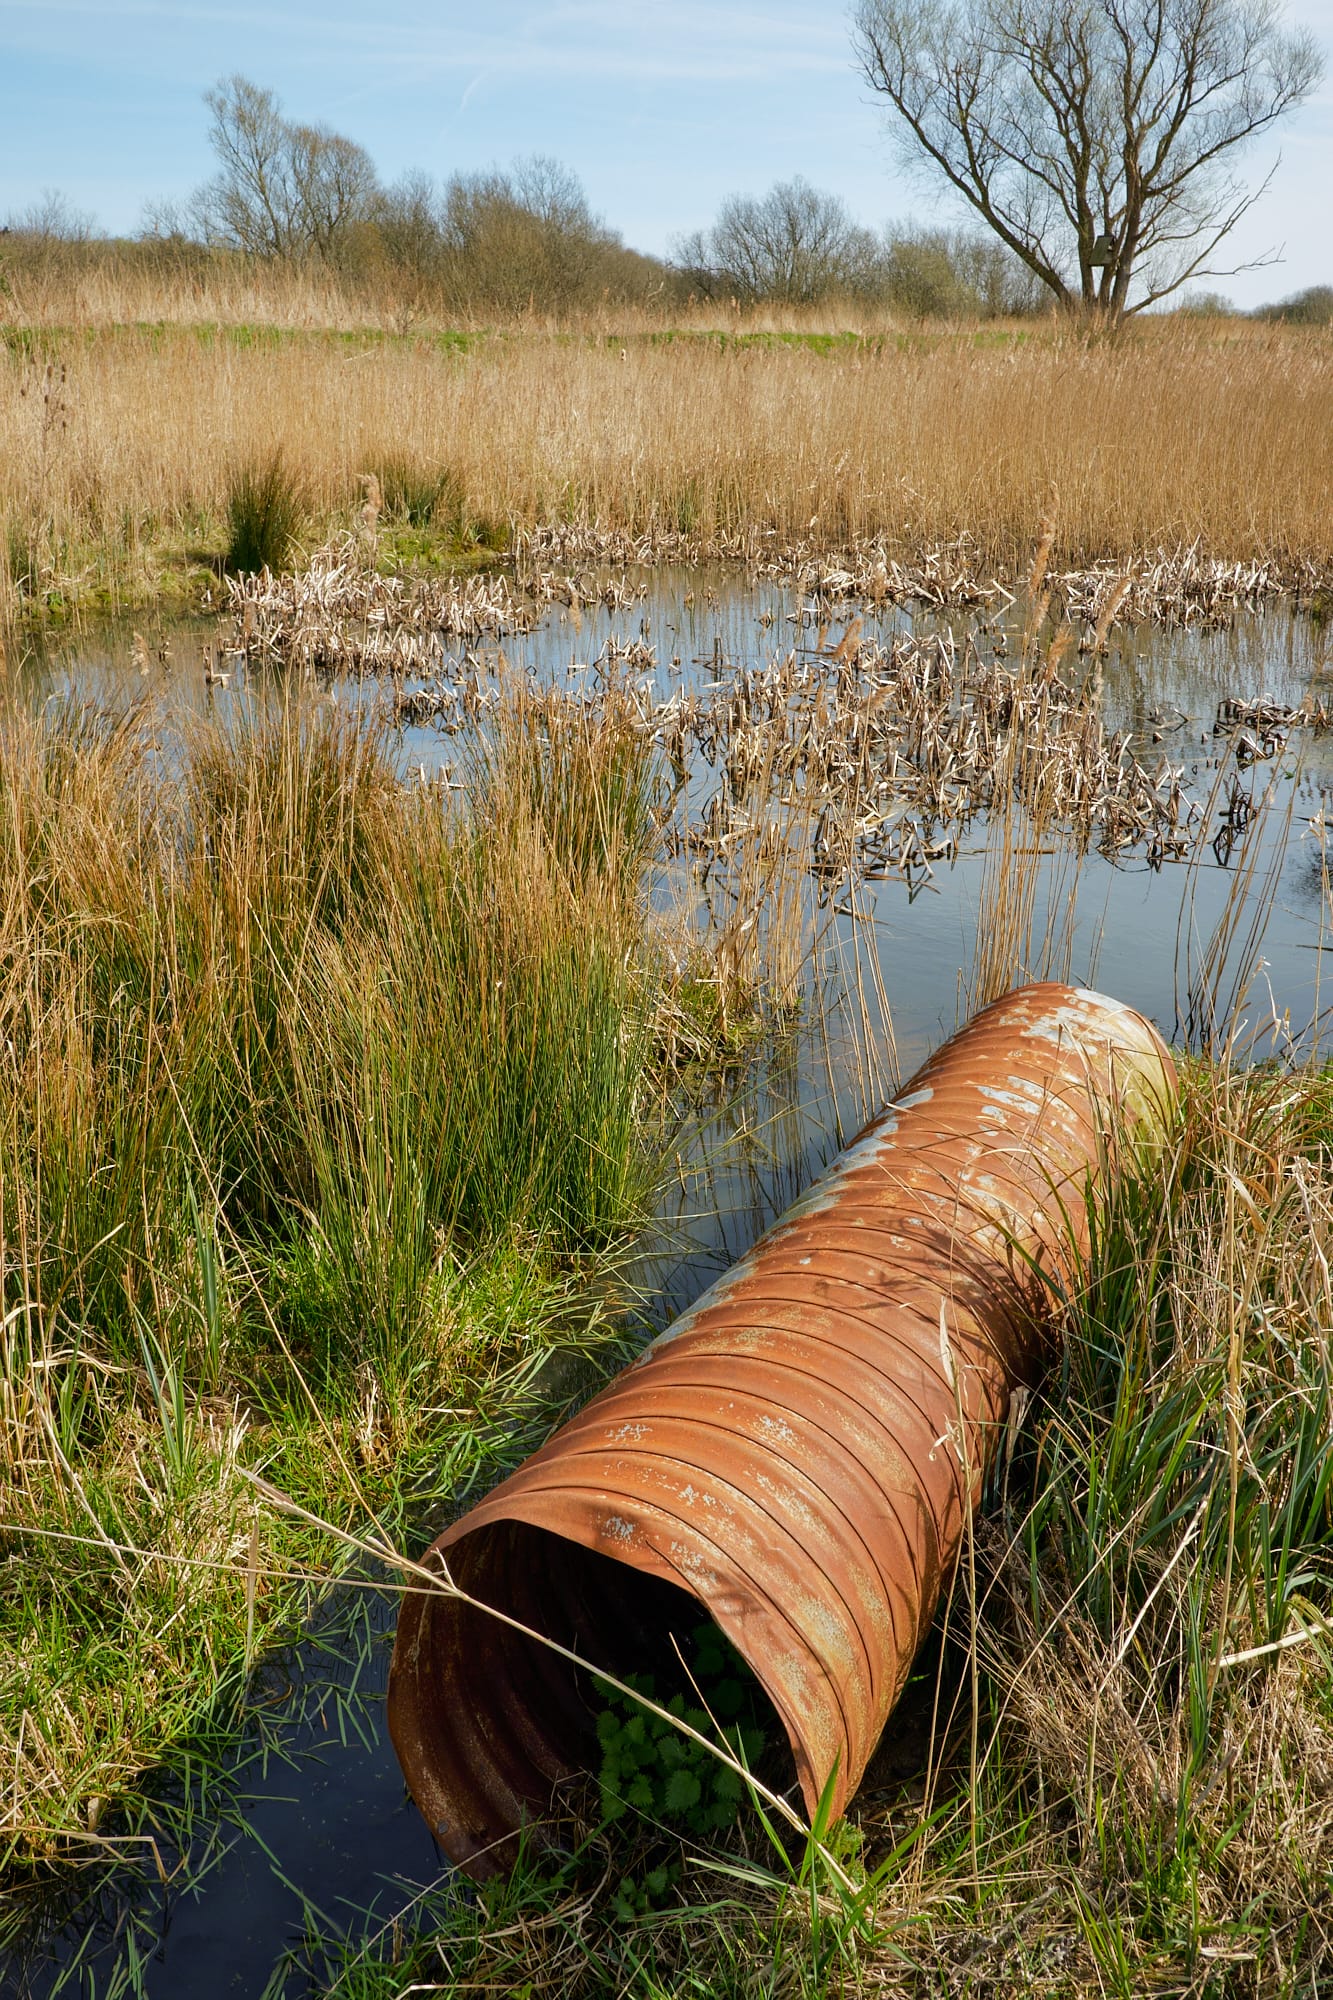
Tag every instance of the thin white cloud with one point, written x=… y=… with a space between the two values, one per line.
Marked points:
x=593 y=38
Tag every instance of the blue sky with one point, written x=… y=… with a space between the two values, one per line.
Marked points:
x=661 y=106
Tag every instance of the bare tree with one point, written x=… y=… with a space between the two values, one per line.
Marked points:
x=282 y=189
x=1094 y=137
x=248 y=205
x=795 y=245
x=334 y=183
x=42 y=241
x=508 y=240
x=955 y=274
x=524 y=236
x=410 y=230
x=51 y=219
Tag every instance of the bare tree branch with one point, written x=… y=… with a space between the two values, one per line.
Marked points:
x=1093 y=137
x=281 y=190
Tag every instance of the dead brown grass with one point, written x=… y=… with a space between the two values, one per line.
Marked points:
x=120 y=442
x=70 y=285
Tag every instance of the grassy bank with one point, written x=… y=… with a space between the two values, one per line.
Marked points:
x=124 y=446
x=322 y=1108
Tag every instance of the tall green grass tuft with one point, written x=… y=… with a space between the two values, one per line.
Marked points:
x=265 y=510
x=318 y=1095
x=420 y=494
x=584 y=777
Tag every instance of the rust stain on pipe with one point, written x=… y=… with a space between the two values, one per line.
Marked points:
x=789 y=1453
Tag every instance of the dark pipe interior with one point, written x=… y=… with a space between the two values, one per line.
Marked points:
x=508 y=1708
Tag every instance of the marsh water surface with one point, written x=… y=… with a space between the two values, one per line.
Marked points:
x=317 y=1831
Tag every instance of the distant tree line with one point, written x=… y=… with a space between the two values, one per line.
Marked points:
x=1312 y=307
x=798 y=246
x=520 y=238
x=524 y=238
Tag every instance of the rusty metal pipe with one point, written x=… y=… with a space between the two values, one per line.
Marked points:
x=798 y=1452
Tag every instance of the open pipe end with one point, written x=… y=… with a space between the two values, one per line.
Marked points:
x=497 y=1732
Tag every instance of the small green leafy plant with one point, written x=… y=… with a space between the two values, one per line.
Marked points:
x=650 y=1767
x=653 y=1768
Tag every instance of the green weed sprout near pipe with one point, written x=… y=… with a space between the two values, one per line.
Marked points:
x=799 y=1454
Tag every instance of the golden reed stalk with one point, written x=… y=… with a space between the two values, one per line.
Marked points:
x=1174 y=433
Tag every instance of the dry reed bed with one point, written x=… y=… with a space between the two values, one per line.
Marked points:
x=65 y=291
x=848 y=759
x=1177 y=587
x=893 y=760
x=59 y=291
x=785 y=788
x=1170 y=436
x=340 y=613
x=1181 y=586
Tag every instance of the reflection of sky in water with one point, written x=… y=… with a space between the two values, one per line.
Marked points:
x=337 y=1826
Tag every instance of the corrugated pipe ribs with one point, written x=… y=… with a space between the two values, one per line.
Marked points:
x=797 y=1454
